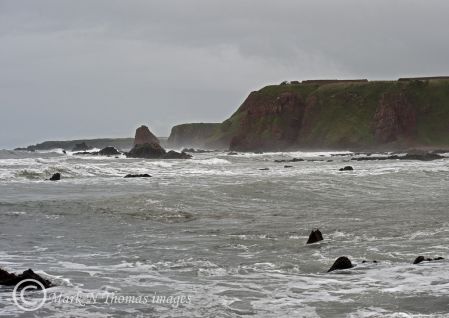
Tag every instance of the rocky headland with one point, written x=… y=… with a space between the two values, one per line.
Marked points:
x=331 y=114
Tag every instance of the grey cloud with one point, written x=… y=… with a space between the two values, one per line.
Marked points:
x=99 y=68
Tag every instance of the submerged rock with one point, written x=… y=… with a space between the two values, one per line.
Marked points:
x=289 y=160
x=176 y=155
x=264 y=169
x=144 y=175
x=11 y=279
x=288 y=166
x=347 y=168
x=420 y=259
x=109 y=151
x=55 y=177
x=341 y=263
x=315 y=236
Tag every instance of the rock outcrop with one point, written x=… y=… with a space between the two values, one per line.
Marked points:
x=269 y=123
x=55 y=177
x=11 y=279
x=347 y=168
x=109 y=151
x=421 y=259
x=145 y=136
x=147 y=151
x=315 y=236
x=149 y=148
x=341 y=263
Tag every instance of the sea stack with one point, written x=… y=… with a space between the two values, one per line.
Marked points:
x=146 y=145
x=144 y=136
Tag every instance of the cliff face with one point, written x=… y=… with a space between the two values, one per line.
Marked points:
x=338 y=115
x=191 y=135
x=342 y=115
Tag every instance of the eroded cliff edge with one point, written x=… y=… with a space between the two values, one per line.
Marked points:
x=332 y=114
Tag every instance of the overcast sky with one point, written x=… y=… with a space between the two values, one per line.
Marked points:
x=99 y=68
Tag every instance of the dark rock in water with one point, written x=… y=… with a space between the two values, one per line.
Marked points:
x=288 y=166
x=290 y=160
x=232 y=153
x=64 y=152
x=148 y=151
x=347 y=168
x=341 y=263
x=145 y=175
x=11 y=279
x=315 y=236
x=264 y=169
x=81 y=147
x=365 y=261
x=55 y=177
x=109 y=151
x=420 y=259
x=144 y=136
x=176 y=155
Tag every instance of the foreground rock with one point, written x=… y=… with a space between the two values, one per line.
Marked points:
x=341 y=263
x=347 y=168
x=55 y=177
x=144 y=175
x=315 y=236
x=421 y=259
x=11 y=279
x=109 y=151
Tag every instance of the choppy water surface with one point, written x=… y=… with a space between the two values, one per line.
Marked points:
x=227 y=235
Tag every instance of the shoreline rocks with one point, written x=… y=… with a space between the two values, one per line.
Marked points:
x=429 y=156
x=11 y=279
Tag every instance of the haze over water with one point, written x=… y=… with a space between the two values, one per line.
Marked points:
x=228 y=235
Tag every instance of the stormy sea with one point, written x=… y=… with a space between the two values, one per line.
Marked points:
x=223 y=235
